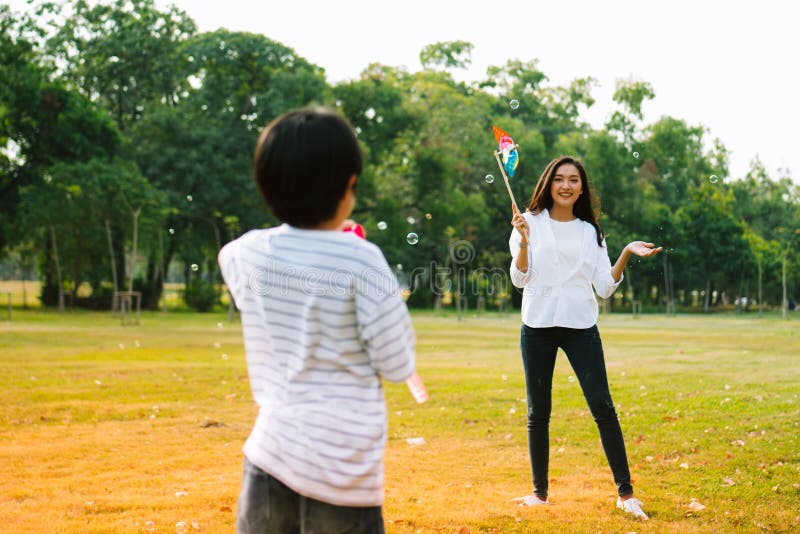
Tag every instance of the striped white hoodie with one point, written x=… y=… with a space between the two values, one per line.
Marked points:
x=323 y=322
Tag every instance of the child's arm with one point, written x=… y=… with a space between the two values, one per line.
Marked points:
x=417 y=388
x=226 y=259
x=388 y=336
x=415 y=384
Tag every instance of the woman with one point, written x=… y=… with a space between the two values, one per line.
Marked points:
x=559 y=252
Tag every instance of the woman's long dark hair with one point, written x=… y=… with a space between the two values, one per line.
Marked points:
x=586 y=208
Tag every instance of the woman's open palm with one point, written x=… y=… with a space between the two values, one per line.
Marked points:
x=640 y=248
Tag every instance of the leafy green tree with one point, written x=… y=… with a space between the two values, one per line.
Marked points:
x=631 y=96
x=771 y=208
x=45 y=122
x=123 y=54
x=712 y=241
x=248 y=78
x=199 y=151
x=447 y=55
x=84 y=204
x=139 y=132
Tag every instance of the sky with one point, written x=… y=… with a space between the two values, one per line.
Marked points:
x=730 y=67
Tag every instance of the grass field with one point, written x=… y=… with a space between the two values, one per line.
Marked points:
x=105 y=428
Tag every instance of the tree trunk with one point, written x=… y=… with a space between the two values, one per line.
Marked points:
x=151 y=280
x=114 y=279
x=217 y=275
x=707 y=300
x=157 y=277
x=162 y=269
x=158 y=268
x=759 y=288
x=747 y=294
x=58 y=270
x=132 y=274
x=458 y=299
x=785 y=301
x=629 y=286
x=741 y=292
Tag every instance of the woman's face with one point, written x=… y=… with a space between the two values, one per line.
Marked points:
x=566 y=186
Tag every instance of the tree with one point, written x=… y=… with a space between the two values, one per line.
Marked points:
x=199 y=151
x=630 y=95
x=123 y=54
x=447 y=55
x=78 y=208
x=712 y=240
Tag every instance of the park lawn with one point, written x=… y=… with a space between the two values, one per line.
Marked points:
x=105 y=428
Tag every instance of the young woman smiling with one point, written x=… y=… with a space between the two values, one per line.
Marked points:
x=558 y=253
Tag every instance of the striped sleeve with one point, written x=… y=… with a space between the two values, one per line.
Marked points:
x=385 y=328
x=228 y=266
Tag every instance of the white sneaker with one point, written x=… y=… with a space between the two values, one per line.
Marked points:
x=531 y=500
x=632 y=506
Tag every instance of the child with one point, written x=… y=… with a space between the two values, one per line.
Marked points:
x=323 y=322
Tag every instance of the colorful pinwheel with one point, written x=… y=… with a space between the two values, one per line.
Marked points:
x=508 y=149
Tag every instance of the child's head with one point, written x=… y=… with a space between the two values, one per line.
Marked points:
x=303 y=163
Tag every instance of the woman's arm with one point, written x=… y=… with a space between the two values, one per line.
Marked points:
x=640 y=248
x=518 y=244
x=519 y=222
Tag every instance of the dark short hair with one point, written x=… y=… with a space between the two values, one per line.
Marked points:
x=303 y=162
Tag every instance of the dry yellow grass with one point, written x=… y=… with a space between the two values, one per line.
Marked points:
x=105 y=428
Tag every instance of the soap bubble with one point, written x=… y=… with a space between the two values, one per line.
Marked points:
x=412 y=238
x=382 y=225
x=636 y=155
x=189 y=198
x=489 y=179
x=713 y=179
x=195 y=267
x=428 y=216
x=514 y=104
x=172 y=231
x=410 y=220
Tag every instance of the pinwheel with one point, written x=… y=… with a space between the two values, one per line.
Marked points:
x=507 y=148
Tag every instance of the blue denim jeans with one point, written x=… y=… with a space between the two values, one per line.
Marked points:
x=584 y=351
x=266 y=505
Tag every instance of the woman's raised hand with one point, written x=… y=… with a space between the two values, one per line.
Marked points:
x=519 y=222
x=640 y=248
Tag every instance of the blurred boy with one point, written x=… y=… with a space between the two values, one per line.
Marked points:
x=323 y=322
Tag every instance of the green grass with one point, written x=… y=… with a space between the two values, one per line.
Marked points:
x=104 y=427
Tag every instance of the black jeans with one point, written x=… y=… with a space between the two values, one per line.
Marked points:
x=267 y=505
x=585 y=353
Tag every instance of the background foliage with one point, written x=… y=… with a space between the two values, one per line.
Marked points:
x=126 y=137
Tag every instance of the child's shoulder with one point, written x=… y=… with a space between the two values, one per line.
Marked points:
x=247 y=238
x=286 y=238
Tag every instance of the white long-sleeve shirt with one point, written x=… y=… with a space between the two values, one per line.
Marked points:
x=323 y=322
x=555 y=293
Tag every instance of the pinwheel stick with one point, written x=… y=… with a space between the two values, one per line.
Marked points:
x=505 y=178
